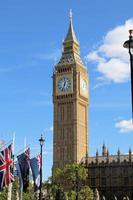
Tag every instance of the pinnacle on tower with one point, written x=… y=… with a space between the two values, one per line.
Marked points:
x=130 y=151
x=118 y=152
x=104 y=150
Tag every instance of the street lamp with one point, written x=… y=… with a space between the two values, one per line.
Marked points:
x=129 y=45
x=41 y=140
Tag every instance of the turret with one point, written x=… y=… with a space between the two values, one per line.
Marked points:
x=104 y=150
x=97 y=154
x=107 y=156
x=118 y=154
x=130 y=155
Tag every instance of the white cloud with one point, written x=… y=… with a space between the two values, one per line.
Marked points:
x=111 y=57
x=49 y=129
x=103 y=83
x=125 y=126
x=93 y=56
x=115 y=70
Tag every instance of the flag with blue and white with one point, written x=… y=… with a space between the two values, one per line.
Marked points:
x=35 y=167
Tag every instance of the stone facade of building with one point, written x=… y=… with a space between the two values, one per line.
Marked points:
x=112 y=175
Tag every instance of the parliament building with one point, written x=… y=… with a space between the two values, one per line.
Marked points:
x=111 y=175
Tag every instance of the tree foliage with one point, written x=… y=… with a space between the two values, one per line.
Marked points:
x=69 y=182
x=15 y=191
x=3 y=194
x=29 y=195
x=85 y=193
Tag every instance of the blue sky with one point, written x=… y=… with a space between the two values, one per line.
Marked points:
x=31 y=34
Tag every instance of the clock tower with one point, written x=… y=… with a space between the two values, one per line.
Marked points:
x=70 y=99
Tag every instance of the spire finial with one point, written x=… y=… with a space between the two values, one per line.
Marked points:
x=70 y=14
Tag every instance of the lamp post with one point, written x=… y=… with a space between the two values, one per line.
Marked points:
x=41 y=140
x=129 y=45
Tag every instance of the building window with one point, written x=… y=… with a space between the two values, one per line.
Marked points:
x=62 y=154
x=114 y=181
x=61 y=113
x=115 y=171
x=69 y=112
x=58 y=153
x=93 y=172
x=102 y=171
x=103 y=182
x=92 y=181
x=125 y=171
x=64 y=134
x=126 y=180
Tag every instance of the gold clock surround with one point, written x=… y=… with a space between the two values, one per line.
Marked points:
x=70 y=78
x=83 y=86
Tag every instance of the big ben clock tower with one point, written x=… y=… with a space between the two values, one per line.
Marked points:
x=70 y=99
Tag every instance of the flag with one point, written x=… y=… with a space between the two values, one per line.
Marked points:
x=23 y=161
x=20 y=178
x=35 y=167
x=6 y=167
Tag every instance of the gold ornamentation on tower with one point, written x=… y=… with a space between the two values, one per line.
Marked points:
x=70 y=99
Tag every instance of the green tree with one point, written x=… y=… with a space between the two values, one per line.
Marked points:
x=68 y=182
x=71 y=195
x=57 y=184
x=57 y=176
x=3 y=194
x=29 y=195
x=76 y=175
x=85 y=194
x=15 y=188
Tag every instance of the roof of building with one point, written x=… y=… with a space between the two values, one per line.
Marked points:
x=110 y=159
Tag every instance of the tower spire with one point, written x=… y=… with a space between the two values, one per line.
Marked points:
x=71 y=43
x=71 y=34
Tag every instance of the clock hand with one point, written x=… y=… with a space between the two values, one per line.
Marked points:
x=64 y=85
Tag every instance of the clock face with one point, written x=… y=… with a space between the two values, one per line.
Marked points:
x=83 y=85
x=64 y=84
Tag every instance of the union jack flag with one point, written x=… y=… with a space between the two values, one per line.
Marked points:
x=6 y=167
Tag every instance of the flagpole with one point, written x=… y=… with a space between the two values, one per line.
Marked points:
x=21 y=151
x=25 y=142
x=5 y=145
x=9 y=196
x=21 y=192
